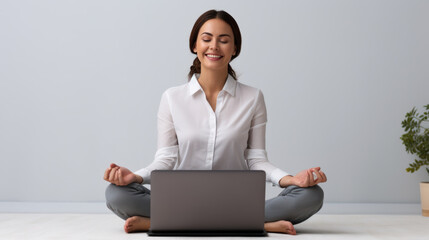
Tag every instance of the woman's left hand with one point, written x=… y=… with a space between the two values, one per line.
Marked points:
x=305 y=178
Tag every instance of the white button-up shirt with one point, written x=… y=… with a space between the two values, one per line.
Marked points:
x=191 y=136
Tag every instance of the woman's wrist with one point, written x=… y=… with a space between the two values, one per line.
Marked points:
x=139 y=179
x=286 y=181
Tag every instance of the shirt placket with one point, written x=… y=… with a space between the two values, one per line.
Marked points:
x=211 y=141
x=213 y=131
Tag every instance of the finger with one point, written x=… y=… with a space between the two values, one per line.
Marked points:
x=313 y=169
x=323 y=176
x=308 y=178
x=120 y=179
x=117 y=177
x=112 y=165
x=112 y=175
x=106 y=174
x=318 y=178
x=311 y=178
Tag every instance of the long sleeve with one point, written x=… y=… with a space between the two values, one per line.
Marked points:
x=255 y=153
x=167 y=152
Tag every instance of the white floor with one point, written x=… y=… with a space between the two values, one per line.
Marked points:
x=108 y=226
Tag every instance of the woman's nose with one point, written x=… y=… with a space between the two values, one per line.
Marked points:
x=214 y=45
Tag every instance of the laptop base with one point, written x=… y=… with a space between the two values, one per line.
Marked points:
x=251 y=233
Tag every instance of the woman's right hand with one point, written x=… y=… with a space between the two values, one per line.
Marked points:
x=305 y=178
x=120 y=176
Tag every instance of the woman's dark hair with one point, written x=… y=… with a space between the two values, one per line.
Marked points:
x=213 y=14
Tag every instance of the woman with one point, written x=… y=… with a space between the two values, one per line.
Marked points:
x=211 y=123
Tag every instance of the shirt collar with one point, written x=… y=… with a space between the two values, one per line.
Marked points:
x=229 y=87
x=194 y=86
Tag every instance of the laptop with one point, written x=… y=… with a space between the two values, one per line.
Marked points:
x=207 y=203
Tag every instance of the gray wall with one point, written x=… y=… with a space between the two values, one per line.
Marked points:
x=80 y=83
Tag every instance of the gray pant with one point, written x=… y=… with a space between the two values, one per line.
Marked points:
x=293 y=204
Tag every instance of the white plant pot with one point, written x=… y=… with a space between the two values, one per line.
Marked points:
x=424 y=196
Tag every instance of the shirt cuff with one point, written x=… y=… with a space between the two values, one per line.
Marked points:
x=145 y=174
x=276 y=175
x=165 y=159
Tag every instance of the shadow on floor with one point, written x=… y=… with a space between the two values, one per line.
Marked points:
x=331 y=231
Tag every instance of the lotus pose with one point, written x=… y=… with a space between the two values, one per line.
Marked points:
x=214 y=122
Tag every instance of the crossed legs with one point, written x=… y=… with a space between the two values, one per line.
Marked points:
x=292 y=206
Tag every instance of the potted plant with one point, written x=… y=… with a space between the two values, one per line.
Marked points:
x=416 y=141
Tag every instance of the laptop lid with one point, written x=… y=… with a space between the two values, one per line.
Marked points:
x=210 y=202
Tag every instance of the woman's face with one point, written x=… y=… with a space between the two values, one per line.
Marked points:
x=215 y=45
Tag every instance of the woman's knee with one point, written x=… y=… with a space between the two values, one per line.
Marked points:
x=126 y=197
x=310 y=202
x=316 y=193
x=294 y=204
x=310 y=197
x=113 y=195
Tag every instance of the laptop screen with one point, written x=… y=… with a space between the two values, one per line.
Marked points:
x=207 y=200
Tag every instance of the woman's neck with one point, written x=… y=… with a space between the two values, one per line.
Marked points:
x=212 y=81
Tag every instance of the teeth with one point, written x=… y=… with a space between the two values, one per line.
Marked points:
x=213 y=56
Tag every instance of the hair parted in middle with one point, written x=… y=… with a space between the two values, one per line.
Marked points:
x=214 y=14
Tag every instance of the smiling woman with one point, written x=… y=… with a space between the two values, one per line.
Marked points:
x=214 y=122
x=215 y=46
x=214 y=29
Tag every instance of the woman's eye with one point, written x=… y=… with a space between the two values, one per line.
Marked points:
x=206 y=40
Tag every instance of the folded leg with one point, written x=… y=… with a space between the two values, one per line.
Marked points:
x=128 y=201
x=294 y=204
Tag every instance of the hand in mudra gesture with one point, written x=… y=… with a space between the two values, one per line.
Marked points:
x=120 y=176
x=305 y=178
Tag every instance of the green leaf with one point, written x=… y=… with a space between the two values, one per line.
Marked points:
x=416 y=138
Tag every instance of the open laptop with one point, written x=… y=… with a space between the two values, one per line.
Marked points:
x=207 y=203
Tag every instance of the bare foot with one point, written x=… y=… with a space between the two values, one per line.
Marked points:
x=280 y=227
x=136 y=224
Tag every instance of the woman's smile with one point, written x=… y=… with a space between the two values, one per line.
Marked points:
x=213 y=57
